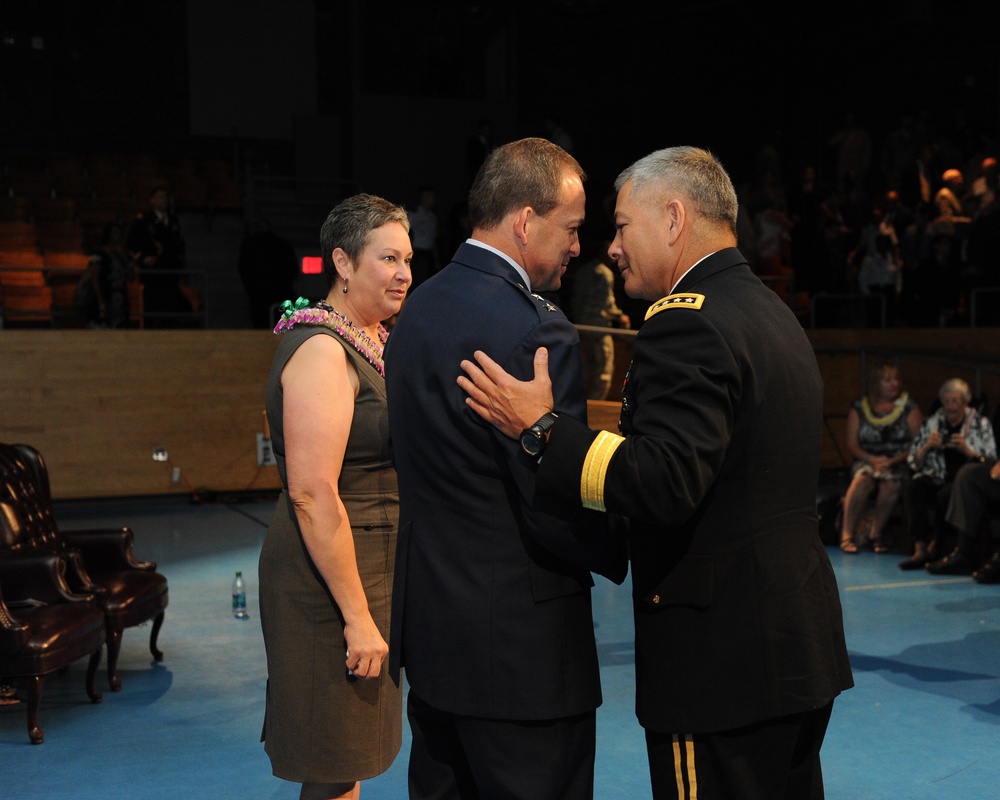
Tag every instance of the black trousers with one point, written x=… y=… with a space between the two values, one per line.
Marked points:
x=773 y=760
x=453 y=756
x=973 y=494
x=924 y=506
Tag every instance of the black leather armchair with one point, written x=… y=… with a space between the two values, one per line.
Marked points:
x=128 y=591
x=44 y=627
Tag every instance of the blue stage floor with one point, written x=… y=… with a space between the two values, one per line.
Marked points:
x=922 y=722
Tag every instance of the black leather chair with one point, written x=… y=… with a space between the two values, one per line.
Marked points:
x=128 y=591
x=44 y=627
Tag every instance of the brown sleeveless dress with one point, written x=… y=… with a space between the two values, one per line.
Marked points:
x=320 y=724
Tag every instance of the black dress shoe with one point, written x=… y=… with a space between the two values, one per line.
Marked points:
x=955 y=563
x=989 y=572
x=916 y=562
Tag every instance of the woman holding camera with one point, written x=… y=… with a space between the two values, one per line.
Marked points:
x=953 y=436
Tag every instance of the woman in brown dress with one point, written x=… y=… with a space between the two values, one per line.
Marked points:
x=333 y=716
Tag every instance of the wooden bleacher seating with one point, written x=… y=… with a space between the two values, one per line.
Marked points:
x=64 y=236
x=24 y=295
x=63 y=272
x=68 y=261
x=59 y=203
x=13 y=209
x=21 y=259
x=18 y=236
x=52 y=210
x=22 y=277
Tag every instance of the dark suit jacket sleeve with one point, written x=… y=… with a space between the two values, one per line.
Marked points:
x=684 y=408
x=581 y=537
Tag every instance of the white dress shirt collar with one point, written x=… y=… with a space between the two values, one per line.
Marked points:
x=505 y=257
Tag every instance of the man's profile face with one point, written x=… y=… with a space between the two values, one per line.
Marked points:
x=641 y=250
x=555 y=238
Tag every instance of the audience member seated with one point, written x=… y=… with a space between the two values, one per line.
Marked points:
x=948 y=439
x=880 y=427
x=106 y=304
x=975 y=494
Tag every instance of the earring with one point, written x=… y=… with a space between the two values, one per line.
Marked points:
x=345 y=285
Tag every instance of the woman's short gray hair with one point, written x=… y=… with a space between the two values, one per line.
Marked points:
x=351 y=223
x=955 y=385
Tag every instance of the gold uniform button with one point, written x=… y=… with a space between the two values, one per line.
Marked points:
x=656 y=599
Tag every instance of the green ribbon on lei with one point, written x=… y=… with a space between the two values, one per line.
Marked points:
x=288 y=307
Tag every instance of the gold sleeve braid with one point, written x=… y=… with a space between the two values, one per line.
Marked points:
x=595 y=469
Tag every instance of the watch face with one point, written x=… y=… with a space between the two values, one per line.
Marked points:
x=534 y=439
x=531 y=442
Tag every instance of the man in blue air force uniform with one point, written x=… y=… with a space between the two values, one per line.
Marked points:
x=491 y=605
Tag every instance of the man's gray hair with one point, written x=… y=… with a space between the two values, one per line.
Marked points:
x=694 y=172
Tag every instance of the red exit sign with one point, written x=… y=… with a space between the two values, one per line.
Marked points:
x=312 y=265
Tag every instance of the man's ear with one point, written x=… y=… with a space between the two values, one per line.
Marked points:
x=674 y=219
x=522 y=222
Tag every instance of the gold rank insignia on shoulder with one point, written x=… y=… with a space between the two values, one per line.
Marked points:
x=682 y=300
x=543 y=301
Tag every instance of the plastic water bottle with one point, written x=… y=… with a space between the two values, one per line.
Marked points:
x=240 y=597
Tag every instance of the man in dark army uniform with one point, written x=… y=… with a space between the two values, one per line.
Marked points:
x=740 y=645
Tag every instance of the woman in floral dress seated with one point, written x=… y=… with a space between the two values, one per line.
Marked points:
x=880 y=427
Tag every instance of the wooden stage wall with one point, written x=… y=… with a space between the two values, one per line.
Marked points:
x=96 y=403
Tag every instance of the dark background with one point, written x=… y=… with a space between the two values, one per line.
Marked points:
x=386 y=93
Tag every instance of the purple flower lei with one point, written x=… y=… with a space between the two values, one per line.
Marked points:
x=302 y=313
